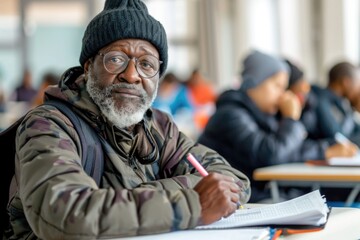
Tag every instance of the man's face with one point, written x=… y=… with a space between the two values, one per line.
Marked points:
x=352 y=86
x=124 y=97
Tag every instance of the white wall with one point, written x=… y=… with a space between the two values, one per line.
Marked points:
x=314 y=34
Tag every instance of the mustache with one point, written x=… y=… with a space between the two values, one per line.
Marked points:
x=112 y=87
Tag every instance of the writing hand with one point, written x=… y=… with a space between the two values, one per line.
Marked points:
x=219 y=195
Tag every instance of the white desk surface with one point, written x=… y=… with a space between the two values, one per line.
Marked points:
x=343 y=224
x=307 y=172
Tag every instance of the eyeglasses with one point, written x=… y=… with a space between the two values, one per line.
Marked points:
x=116 y=62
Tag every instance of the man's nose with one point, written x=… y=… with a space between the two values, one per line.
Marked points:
x=130 y=73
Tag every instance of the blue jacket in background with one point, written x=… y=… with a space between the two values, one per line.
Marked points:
x=249 y=138
x=335 y=114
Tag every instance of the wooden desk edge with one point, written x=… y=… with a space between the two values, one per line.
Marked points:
x=259 y=176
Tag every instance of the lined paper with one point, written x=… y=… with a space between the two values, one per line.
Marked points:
x=309 y=209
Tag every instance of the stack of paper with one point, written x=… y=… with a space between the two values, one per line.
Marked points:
x=309 y=209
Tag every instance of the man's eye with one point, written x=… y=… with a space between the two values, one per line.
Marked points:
x=117 y=60
x=146 y=65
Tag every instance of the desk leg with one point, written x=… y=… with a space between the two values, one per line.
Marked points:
x=351 y=198
x=274 y=188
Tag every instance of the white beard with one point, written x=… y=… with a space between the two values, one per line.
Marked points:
x=125 y=116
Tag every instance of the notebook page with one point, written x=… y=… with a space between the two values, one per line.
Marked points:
x=309 y=209
x=345 y=161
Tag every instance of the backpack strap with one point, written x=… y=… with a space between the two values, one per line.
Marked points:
x=7 y=143
x=92 y=152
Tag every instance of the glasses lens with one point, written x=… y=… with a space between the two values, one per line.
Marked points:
x=115 y=62
x=148 y=65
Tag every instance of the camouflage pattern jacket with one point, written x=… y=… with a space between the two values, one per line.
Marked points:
x=145 y=188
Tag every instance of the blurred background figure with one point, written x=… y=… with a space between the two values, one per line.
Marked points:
x=202 y=96
x=305 y=93
x=299 y=85
x=172 y=96
x=334 y=110
x=25 y=92
x=48 y=79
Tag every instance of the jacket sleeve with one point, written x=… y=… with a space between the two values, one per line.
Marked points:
x=239 y=130
x=313 y=150
x=179 y=173
x=61 y=201
x=326 y=121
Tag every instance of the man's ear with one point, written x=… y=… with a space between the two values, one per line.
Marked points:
x=87 y=65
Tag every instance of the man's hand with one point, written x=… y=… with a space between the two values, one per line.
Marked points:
x=218 y=197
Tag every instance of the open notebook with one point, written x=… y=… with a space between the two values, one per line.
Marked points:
x=310 y=210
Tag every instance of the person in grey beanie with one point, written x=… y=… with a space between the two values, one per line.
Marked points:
x=146 y=186
x=258 y=125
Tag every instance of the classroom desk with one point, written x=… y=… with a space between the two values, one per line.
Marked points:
x=343 y=224
x=302 y=174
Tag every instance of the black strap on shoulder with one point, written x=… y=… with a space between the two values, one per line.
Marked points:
x=92 y=152
x=7 y=143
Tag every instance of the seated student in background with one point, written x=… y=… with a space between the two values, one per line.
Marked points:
x=147 y=185
x=334 y=111
x=202 y=96
x=25 y=92
x=246 y=128
x=48 y=79
x=173 y=96
x=307 y=95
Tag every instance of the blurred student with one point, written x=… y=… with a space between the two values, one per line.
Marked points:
x=48 y=79
x=202 y=97
x=334 y=111
x=173 y=97
x=258 y=125
x=25 y=92
x=305 y=93
x=308 y=99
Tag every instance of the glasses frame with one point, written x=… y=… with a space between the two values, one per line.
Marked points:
x=128 y=61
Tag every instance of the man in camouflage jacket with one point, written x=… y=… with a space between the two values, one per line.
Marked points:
x=147 y=186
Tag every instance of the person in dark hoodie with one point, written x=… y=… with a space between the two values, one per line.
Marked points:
x=258 y=125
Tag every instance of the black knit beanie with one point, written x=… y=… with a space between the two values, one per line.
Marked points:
x=123 y=19
x=295 y=73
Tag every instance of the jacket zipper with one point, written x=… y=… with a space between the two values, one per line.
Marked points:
x=136 y=168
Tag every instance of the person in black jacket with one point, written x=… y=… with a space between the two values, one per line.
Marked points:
x=258 y=125
x=303 y=90
x=334 y=110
